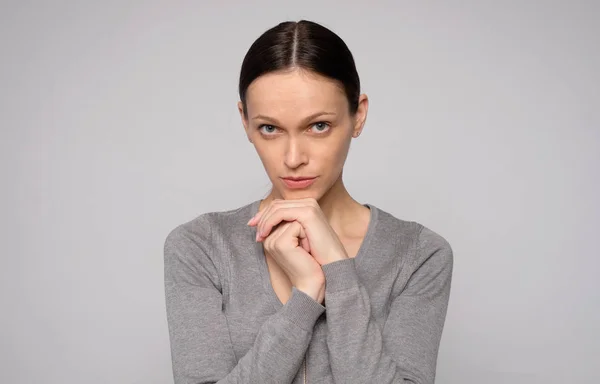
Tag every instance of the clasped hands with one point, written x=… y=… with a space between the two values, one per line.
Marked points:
x=297 y=235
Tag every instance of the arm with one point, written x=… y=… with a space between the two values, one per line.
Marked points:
x=201 y=348
x=405 y=351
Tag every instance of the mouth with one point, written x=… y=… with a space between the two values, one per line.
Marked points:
x=298 y=182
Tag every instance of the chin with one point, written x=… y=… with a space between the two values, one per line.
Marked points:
x=300 y=194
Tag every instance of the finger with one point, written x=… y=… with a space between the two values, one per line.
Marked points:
x=284 y=237
x=299 y=214
x=260 y=218
x=297 y=231
x=261 y=214
x=256 y=218
x=304 y=243
x=275 y=235
x=294 y=232
x=275 y=232
x=272 y=207
x=267 y=217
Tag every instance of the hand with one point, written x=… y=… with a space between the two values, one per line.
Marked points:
x=285 y=246
x=323 y=243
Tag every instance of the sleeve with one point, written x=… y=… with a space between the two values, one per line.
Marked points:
x=201 y=349
x=405 y=350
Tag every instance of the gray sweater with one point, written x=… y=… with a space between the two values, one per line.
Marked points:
x=381 y=321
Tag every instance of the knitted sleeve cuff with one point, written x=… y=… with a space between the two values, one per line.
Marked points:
x=302 y=310
x=340 y=275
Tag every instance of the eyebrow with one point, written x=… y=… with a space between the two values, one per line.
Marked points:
x=308 y=118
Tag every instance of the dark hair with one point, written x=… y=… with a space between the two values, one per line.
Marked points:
x=306 y=45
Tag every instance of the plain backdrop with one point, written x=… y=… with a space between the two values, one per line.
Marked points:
x=119 y=122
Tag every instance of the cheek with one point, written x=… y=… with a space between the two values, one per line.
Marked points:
x=269 y=156
x=341 y=144
x=333 y=154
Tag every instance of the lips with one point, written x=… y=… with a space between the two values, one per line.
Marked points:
x=298 y=182
x=298 y=178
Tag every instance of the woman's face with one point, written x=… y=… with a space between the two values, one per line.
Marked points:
x=301 y=127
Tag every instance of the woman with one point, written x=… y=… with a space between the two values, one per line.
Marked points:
x=306 y=285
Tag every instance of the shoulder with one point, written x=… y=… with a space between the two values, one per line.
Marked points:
x=204 y=228
x=421 y=242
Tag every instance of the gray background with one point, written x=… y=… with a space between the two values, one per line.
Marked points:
x=119 y=122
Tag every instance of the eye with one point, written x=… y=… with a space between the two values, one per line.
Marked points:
x=320 y=127
x=267 y=129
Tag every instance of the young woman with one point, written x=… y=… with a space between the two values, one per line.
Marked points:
x=306 y=285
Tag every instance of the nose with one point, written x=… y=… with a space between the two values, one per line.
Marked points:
x=295 y=154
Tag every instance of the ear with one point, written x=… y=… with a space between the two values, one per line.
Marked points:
x=240 y=106
x=360 y=117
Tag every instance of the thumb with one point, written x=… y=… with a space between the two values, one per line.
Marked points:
x=305 y=244
x=301 y=236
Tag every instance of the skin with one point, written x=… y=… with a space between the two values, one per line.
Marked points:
x=300 y=125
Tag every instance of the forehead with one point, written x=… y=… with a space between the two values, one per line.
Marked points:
x=295 y=92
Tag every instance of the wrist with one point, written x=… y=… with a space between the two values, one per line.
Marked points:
x=334 y=259
x=313 y=289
